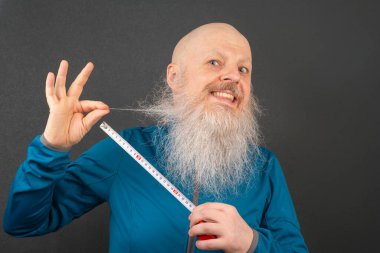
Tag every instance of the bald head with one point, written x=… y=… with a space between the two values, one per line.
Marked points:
x=213 y=57
x=207 y=35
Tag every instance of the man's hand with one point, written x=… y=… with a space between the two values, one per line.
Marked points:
x=222 y=220
x=67 y=123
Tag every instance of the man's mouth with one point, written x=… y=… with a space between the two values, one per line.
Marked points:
x=224 y=95
x=228 y=96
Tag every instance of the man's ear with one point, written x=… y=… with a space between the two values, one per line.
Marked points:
x=172 y=75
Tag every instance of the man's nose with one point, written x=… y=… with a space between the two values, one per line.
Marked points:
x=231 y=74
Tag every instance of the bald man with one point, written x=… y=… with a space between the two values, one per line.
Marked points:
x=206 y=142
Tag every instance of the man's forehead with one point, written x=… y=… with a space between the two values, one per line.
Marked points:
x=215 y=37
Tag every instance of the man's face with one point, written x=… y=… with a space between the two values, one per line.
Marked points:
x=218 y=71
x=210 y=79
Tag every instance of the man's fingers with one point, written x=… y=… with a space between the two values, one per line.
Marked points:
x=205 y=228
x=208 y=215
x=49 y=89
x=212 y=244
x=90 y=120
x=89 y=105
x=95 y=109
x=76 y=88
x=211 y=212
x=60 y=82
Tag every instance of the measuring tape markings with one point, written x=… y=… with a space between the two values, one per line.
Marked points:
x=147 y=166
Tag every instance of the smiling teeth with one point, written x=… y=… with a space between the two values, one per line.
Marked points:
x=224 y=95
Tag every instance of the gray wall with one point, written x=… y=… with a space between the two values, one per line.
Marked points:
x=317 y=76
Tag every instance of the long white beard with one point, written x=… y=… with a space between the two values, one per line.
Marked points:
x=214 y=148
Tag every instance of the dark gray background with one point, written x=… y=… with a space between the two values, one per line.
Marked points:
x=317 y=76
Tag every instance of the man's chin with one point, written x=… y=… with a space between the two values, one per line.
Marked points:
x=212 y=99
x=214 y=108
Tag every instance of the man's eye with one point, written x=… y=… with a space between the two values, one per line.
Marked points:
x=214 y=62
x=243 y=70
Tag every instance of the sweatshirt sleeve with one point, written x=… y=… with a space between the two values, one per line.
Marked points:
x=279 y=230
x=49 y=190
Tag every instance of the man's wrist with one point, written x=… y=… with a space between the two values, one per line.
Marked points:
x=255 y=240
x=52 y=147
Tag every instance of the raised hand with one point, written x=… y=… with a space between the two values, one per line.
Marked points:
x=70 y=119
x=224 y=222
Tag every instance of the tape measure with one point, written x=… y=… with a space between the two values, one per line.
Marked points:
x=152 y=171
x=147 y=166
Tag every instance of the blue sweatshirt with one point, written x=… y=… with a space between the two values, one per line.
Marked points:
x=50 y=190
